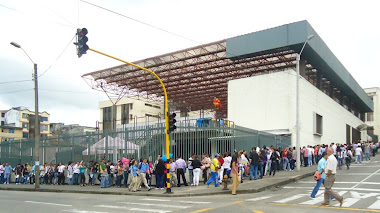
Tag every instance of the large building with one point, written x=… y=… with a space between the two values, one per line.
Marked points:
x=22 y=117
x=373 y=118
x=8 y=133
x=76 y=129
x=333 y=105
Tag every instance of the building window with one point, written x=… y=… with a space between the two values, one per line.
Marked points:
x=44 y=119
x=43 y=128
x=370 y=116
x=3 y=114
x=25 y=126
x=318 y=124
x=131 y=106
x=154 y=106
x=25 y=135
x=355 y=135
x=24 y=115
x=107 y=118
x=348 y=134
x=12 y=131
x=125 y=114
x=2 y=123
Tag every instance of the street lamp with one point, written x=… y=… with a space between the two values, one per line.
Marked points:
x=298 y=162
x=36 y=122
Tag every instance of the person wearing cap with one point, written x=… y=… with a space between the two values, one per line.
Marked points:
x=214 y=169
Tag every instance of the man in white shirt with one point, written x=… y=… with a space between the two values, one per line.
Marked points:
x=310 y=152
x=358 y=154
x=2 y=169
x=330 y=170
x=76 y=173
x=70 y=172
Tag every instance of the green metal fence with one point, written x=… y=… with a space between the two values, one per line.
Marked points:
x=141 y=141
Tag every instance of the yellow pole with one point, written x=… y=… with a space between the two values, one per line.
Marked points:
x=168 y=187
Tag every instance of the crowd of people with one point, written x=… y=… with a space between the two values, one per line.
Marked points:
x=238 y=166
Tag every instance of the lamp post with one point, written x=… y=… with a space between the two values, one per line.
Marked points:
x=36 y=122
x=298 y=145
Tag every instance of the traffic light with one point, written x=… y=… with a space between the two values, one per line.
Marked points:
x=172 y=121
x=82 y=39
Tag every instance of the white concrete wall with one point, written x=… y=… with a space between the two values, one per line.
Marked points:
x=268 y=102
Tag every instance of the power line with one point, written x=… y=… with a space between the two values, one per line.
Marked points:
x=141 y=22
x=58 y=57
x=16 y=91
x=8 y=82
x=55 y=90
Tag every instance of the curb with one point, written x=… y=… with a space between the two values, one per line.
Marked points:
x=244 y=191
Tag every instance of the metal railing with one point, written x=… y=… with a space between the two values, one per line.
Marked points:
x=211 y=136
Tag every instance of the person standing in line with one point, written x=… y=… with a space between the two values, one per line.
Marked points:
x=190 y=168
x=286 y=159
x=104 y=174
x=235 y=175
x=180 y=165
x=261 y=163
x=340 y=155
x=82 y=170
x=76 y=173
x=321 y=169
x=254 y=161
x=227 y=164
x=305 y=153
x=205 y=162
x=143 y=168
x=7 y=173
x=126 y=172
x=172 y=171
x=47 y=172
x=160 y=168
x=54 y=175
x=274 y=159
x=25 y=173
x=366 y=151
x=70 y=173
x=220 y=168
x=2 y=170
x=358 y=154
x=196 y=170
x=61 y=174
x=214 y=171
x=119 y=175
x=133 y=186
x=268 y=165
x=310 y=157
x=18 y=175
x=348 y=157
x=330 y=169
x=89 y=172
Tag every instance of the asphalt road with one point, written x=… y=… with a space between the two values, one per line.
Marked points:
x=359 y=186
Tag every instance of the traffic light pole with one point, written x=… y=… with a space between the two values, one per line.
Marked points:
x=168 y=187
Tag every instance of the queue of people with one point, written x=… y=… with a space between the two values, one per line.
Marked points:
x=238 y=166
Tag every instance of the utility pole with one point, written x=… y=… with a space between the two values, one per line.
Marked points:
x=36 y=131
x=36 y=122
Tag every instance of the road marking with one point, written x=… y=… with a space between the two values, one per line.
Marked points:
x=257 y=211
x=375 y=205
x=325 y=207
x=347 y=202
x=156 y=205
x=202 y=210
x=259 y=198
x=81 y=211
x=54 y=204
x=369 y=183
x=363 y=195
x=365 y=166
x=151 y=199
x=238 y=202
x=294 y=197
x=365 y=179
x=132 y=209
x=194 y=202
x=335 y=188
x=319 y=199
x=148 y=210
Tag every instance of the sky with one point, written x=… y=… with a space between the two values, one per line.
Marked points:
x=45 y=29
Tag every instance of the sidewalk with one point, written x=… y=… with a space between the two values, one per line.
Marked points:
x=249 y=186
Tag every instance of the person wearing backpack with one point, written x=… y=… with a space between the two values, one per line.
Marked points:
x=274 y=161
x=348 y=157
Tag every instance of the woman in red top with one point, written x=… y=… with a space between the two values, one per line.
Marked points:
x=221 y=170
